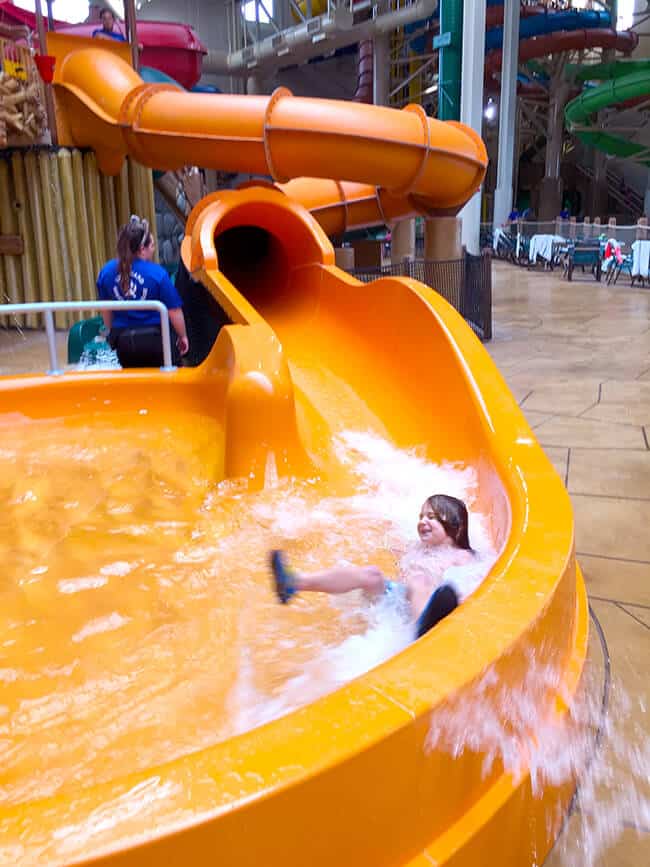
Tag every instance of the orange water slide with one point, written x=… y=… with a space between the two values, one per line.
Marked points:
x=386 y=163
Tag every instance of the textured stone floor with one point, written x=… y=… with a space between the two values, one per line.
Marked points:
x=577 y=357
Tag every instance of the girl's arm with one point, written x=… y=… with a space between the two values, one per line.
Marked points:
x=178 y=322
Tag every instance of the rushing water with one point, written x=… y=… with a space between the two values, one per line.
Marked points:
x=138 y=618
x=138 y=621
x=603 y=746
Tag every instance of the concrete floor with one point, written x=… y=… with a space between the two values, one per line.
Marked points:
x=577 y=358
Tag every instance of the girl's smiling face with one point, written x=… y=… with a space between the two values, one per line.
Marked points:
x=430 y=530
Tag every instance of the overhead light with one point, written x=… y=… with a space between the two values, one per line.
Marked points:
x=431 y=89
x=490 y=110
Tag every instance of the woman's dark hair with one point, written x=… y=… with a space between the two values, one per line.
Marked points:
x=452 y=514
x=132 y=236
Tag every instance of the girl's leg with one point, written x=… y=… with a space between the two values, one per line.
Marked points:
x=287 y=583
x=343 y=580
x=441 y=603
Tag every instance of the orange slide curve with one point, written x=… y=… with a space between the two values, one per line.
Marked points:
x=394 y=163
x=123 y=750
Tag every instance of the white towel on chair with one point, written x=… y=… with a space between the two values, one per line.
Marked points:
x=542 y=245
x=641 y=259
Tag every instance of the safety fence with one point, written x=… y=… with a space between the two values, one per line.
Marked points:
x=465 y=283
x=570 y=230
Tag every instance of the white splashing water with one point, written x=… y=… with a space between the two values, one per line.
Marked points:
x=390 y=486
x=99 y=356
x=603 y=749
x=387 y=634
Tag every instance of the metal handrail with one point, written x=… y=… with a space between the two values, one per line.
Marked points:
x=48 y=308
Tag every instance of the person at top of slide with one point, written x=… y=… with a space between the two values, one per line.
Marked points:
x=427 y=595
x=107 y=30
x=132 y=276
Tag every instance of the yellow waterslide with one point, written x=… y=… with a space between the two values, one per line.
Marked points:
x=362 y=775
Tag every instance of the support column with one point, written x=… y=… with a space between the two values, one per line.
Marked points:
x=380 y=68
x=132 y=32
x=550 y=203
x=402 y=245
x=503 y=194
x=253 y=85
x=442 y=239
x=449 y=61
x=598 y=195
x=471 y=105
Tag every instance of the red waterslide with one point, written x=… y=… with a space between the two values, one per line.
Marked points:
x=573 y=40
x=169 y=46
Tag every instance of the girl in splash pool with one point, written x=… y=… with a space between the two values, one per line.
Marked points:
x=429 y=594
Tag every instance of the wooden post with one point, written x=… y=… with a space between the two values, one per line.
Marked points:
x=572 y=228
x=611 y=227
x=40 y=27
x=132 y=32
x=586 y=227
x=642 y=229
x=42 y=47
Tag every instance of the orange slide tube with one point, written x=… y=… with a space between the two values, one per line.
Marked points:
x=371 y=773
x=402 y=162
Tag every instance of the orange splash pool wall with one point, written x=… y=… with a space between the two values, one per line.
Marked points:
x=351 y=778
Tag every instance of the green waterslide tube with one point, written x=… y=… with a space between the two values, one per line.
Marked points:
x=622 y=85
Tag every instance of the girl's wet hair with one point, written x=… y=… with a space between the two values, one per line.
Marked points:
x=452 y=514
x=132 y=236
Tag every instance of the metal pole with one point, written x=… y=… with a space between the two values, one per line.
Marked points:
x=42 y=46
x=50 y=331
x=50 y=17
x=503 y=194
x=471 y=105
x=166 y=343
x=380 y=68
x=49 y=308
x=40 y=27
x=132 y=32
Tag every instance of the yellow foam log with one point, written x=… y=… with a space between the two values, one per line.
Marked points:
x=9 y=265
x=71 y=223
x=67 y=253
x=151 y=205
x=4 y=294
x=25 y=223
x=142 y=195
x=94 y=210
x=52 y=235
x=110 y=216
x=122 y=195
x=83 y=226
x=35 y=192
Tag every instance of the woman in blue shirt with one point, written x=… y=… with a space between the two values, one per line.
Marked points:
x=107 y=30
x=135 y=334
